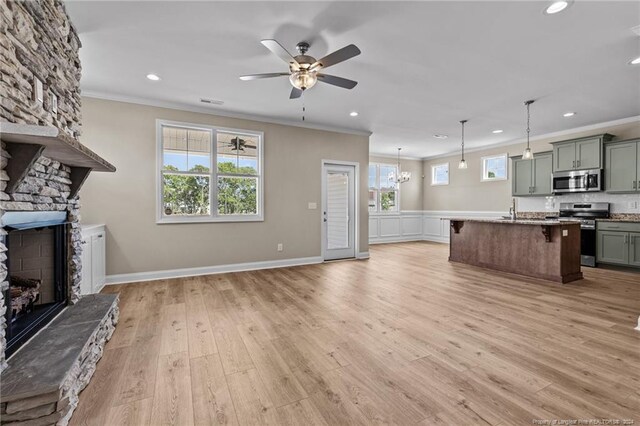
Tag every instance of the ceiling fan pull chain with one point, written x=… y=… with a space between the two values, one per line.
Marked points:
x=303 y=107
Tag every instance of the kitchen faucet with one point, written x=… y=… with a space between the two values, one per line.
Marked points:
x=512 y=210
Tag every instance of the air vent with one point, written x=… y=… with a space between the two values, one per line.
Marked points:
x=636 y=30
x=211 y=101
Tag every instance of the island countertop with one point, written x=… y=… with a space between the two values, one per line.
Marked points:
x=538 y=222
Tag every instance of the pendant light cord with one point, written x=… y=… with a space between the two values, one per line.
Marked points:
x=462 y=122
x=528 y=104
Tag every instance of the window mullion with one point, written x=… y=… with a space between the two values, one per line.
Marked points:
x=213 y=187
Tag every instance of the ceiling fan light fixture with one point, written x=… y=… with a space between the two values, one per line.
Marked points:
x=303 y=79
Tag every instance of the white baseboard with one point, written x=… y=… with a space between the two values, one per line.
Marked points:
x=442 y=240
x=209 y=270
x=387 y=240
x=362 y=255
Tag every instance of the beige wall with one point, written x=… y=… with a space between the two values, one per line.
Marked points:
x=125 y=201
x=410 y=192
x=466 y=191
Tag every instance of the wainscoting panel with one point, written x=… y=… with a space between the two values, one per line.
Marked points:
x=417 y=225
x=389 y=226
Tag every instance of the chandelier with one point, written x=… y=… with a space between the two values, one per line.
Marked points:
x=401 y=177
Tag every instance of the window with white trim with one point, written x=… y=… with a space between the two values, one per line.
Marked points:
x=494 y=167
x=440 y=174
x=383 y=191
x=208 y=174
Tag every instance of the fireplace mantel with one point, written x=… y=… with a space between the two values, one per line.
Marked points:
x=26 y=142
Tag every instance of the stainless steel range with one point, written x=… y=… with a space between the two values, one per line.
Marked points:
x=586 y=213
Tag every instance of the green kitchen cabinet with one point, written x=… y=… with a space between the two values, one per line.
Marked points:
x=621 y=166
x=522 y=172
x=532 y=177
x=618 y=243
x=543 y=174
x=634 y=248
x=579 y=154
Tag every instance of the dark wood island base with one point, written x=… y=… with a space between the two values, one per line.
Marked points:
x=541 y=249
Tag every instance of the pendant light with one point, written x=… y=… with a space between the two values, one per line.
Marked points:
x=462 y=164
x=401 y=177
x=527 y=155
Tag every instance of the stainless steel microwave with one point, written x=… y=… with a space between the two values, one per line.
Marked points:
x=577 y=181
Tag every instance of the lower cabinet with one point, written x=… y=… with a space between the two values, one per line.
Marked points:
x=93 y=259
x=618 y=243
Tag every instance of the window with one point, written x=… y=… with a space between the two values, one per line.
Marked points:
x=440 y=174
x=494 y=167
x=383 y=192
x=208 y=174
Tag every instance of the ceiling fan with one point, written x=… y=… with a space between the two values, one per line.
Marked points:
x=238 y=144
x=305 y=70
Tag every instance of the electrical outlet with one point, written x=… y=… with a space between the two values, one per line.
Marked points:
x=313 y=206
x=633 y=205
x=565 y=232
x=280 y=247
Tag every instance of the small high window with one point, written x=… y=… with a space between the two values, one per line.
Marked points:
x=440 y=174
x=494 y=167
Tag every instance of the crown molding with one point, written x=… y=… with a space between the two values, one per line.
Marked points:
x=217 y=112
x=559 y=133
x=395 y=157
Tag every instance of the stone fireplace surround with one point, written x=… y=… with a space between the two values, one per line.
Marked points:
x=42 y=167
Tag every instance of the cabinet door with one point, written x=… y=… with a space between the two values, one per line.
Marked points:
x=621 y=174
x=98 y=274
x=86 y=286
x=564 y=157
x=522 y=175
x=589 y=154
x=638 y=166
x=542 y=175
x=613 y=247
x=634 y=248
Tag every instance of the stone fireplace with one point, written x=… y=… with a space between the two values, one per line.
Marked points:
x=53 y=335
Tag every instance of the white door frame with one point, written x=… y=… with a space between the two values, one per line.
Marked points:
x=356 y=194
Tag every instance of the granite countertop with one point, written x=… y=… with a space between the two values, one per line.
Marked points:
x=537 y=222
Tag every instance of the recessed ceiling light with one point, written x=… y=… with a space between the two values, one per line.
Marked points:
x=556 y=7
x=635 y=61
x=153 y=77
x=568 y=114
x=353 y=113
x=438 y=136
x=497 y=131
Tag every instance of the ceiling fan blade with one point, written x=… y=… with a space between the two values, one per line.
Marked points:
x=338 y=56
x=265 y=75
x=295 y=93
x=345 y=83
x=250 y=146
x=280 y=51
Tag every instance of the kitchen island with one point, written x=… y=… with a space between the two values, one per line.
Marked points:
x=547 y=249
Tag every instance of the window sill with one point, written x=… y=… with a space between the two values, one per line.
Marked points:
x=494 y=180
x=209 y=219
x=440 y=184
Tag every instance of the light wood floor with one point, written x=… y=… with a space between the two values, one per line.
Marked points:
x=404 y=337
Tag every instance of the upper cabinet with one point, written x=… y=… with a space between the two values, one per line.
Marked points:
x=579 y=154
x=533 y=177
x=622 y=166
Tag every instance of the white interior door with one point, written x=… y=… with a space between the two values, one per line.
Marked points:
x=338 y=211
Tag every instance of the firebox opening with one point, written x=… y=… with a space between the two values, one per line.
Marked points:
x=38 y=280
